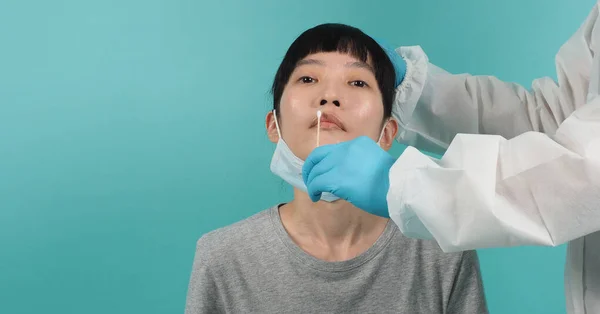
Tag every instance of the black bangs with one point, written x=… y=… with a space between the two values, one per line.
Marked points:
x=343 y=39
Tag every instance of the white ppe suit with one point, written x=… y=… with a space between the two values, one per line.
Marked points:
x=521 y=167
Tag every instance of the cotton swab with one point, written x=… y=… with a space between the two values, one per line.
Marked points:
x=318 y=126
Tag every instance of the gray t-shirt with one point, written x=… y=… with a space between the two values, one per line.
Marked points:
x=253 y=266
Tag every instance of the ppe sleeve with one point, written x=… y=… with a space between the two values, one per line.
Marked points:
x=536 y=181
x=432 y=105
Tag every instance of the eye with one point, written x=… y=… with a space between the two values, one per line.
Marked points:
x=359 y=83
x=307 y=80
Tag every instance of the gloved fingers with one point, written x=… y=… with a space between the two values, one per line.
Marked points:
x=320 y=184
x=315 y=157
x=325 y=165
x=315 y=196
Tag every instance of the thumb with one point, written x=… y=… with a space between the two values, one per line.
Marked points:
x=315 y=197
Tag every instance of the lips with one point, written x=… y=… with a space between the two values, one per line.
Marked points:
x=329 y=121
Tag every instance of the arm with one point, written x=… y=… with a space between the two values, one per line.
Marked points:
x=489 y=191
x=432 y=105
x=202 y=295
x=467 y=294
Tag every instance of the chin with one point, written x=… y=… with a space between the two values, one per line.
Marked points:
x=333 y=139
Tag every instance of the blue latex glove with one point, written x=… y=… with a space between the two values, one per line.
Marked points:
x=356 y=171
x=397 y=60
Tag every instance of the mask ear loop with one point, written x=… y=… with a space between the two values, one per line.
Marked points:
x=382 y=131
x=277 y=125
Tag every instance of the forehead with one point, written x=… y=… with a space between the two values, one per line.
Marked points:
x=336 y=59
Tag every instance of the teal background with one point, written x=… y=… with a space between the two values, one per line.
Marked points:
x=129 y=128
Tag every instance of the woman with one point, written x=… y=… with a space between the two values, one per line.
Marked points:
x=328 y=256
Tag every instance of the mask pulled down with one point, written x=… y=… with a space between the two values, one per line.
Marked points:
x=288 y=166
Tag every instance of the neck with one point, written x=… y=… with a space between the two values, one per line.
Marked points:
x=338 y=228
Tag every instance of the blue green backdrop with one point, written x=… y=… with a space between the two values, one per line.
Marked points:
x=129 y=128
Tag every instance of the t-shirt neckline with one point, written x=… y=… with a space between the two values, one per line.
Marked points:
x=315 y=263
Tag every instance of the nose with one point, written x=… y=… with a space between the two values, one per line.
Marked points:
x=331 y=92
x=325 y=101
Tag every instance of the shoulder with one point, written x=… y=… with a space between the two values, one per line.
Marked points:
x=235 y=239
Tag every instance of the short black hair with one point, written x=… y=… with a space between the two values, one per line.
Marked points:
x=332 y=37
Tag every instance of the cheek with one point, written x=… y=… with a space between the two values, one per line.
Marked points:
x=366 y=109
x=298 y=108
x=365 y=117
x=297 y=115
x=289 y=99
x=294 y=104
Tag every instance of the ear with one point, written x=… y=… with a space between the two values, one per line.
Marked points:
x=389 y=134
x=271 y=127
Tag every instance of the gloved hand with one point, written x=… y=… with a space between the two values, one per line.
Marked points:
x=356 y=171
x=397 y=60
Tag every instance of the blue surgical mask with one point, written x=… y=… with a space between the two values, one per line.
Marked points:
x=289 y=166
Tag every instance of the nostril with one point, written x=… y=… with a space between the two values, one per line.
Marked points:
x=336 y=103
x=323 y=101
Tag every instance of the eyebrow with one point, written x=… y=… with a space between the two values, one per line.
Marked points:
x=361 y=65
x=309 y=62
x=356 y=64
